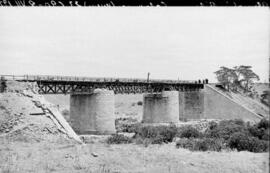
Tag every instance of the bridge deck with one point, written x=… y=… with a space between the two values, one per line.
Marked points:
x=68 y=84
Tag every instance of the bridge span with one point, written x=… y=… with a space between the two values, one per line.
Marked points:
x=69 y=84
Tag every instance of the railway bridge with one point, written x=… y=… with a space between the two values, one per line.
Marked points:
x=92 y=99
x=69 y=84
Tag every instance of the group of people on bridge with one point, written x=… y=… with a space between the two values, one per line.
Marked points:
x=204 y=81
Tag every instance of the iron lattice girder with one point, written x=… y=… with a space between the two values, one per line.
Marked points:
x=66 y=87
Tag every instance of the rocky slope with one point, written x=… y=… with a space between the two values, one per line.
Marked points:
x=27 y=116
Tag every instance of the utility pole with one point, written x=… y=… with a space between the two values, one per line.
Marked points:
x=148 y=75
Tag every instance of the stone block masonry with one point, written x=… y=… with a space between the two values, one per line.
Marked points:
x=93 y=113
x=161 y=107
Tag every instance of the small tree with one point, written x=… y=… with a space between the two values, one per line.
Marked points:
x=246 y=76
x=235 y=77
x=226 y=76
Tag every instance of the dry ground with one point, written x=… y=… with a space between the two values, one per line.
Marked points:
x=124 y=158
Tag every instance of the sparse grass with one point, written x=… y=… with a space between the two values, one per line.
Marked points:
x=123 y=158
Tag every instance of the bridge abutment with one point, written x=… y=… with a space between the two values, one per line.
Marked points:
x=93 y=113
x=161 y=108
x=191 y=105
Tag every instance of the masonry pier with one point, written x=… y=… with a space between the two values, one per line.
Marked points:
x=93 y=113
x=161 y=107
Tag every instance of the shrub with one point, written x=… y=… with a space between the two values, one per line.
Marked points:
x=212 y=125
x=146 y=131
x=266 y=135
x=140 y=103
x=226 y=128
x=128 y=128
x=146 y=142
x=200 y=145
x=118 y=139
x=256 y=132
x=159 y=139
x=260 y=130
x=188 y=132
x=206 y=144
x=243 y=142
x=185 y=143
x=128 y=125
x=264 y=123
x=167 y=133
x=203 y=144
x=157 y=134
x=231 y=122
x=239 y=122
x=235 y=134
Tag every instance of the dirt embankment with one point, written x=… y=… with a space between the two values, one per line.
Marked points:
x=26 y=116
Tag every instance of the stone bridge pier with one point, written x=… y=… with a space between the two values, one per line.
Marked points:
x=93 y=113
x=161 y=107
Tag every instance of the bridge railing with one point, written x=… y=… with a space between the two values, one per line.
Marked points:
x=13 y=77
x=87 y=79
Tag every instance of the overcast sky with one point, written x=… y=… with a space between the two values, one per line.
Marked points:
x=170 y=43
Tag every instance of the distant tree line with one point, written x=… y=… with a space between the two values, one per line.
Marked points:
x=238 y=77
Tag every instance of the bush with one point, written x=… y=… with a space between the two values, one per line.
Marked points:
x=239 y=122
x=230 y=122
x=159 y=139
x=212 y=125
x=200 y=145
x=234 y=134
x=264 y=123
x=146 y=142
x=185 y=143
x=256 y=132
x=128 y=125
x=226 y=128
x=140 y=103
x=206 y=144
x=167 y=133
x=157 y=134
x=243 y=142
x=118 y=139
x=260 y=130
x=146 y=131
x=188 y=132
x=203 y=144
x=266 y=135
x=128 y=128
